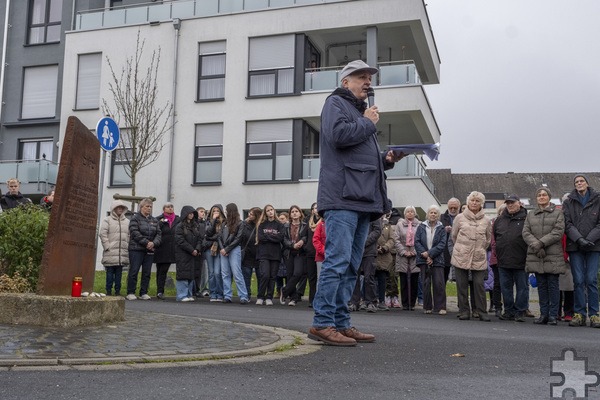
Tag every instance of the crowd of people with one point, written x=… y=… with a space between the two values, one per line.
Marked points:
x=404 y=261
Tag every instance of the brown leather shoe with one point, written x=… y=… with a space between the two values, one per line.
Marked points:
x=358 y=336
x=330 y=336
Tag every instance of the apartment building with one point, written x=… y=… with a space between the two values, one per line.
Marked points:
x=33 y=42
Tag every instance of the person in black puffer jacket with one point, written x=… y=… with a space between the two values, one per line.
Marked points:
x=144 y=238
x=164 y=256
x=188 y=253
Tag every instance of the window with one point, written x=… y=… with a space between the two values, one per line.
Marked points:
x=208 y=158
x=271 y=65
x=39 y=92
x=44 y=21
x=119 y=163
x=88 y=81
x=310 y=152
x=36 y=149
x=269 y=151
x=211 y=71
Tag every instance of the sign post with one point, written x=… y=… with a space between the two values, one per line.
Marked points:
x=108 y=134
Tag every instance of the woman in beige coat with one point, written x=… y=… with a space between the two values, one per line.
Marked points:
x=406 y=257
x=471 y=235
x=114 y=236
x=543 y=232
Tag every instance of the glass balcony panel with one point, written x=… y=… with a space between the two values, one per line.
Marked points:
x=320 y=80
x=159 y=12
x=114 y=18
x=400 y=74
x=7 y=171
x=205 y=8
x=251 y=5
x=230 y=6
x=183 y=9
x=137 y=15
x=311 y=168
x=90 y=20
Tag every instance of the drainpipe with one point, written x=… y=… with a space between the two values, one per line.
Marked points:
x=3 y=66
x=177 y=26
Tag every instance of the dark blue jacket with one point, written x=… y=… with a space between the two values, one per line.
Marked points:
x=352 y=167
x=436 y=252
x=582 y=221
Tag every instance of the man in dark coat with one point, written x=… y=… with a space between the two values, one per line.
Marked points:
x=511 y=251
x=582 y=227
x=447 y=219
x=352 y=193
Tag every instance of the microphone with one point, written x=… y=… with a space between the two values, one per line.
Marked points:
x=370 y=97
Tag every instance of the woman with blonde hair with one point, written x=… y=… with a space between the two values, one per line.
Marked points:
x=471 y=235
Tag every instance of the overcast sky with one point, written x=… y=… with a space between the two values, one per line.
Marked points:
x=519 y=85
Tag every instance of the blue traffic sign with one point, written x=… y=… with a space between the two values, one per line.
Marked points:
x=108 y=133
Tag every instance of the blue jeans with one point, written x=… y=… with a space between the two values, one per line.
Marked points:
x=346 y=233
x=584 y=266
x=185 y=288
x=549 y=294
x=215 y=280
x=139 y=259
x=514 y=305
x=247 y=272
x=232 y=265
x=114 y=273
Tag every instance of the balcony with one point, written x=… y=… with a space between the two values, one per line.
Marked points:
x=36 y=176
x=392 y=73
x=151 y=12
x=409 y=167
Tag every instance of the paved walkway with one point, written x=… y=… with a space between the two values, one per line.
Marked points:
x=141 y=338
x=145 y=338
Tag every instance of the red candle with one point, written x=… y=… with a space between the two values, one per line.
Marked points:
x=76 y=287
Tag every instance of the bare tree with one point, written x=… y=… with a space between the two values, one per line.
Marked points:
x=136 y=108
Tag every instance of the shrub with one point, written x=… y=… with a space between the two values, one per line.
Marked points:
x=22 y=236
x=16 y=284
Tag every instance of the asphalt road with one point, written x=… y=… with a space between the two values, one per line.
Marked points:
x=412 y=358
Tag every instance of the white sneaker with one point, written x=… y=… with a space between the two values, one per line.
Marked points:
x=442 y=312
x=388 y=301
x=219 y=300
x=131 y=297
x=268 y=302
x=145 y=297
x=292 y=303
x=260 y=302
x=191 y=299
x=187 y=299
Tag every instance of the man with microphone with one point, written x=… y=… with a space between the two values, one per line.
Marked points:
x=352 y=193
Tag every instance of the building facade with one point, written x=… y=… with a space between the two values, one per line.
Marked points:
x=248 y=80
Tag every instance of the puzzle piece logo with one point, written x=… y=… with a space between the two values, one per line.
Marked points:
x=576 y=379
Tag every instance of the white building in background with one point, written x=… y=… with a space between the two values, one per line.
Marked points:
x=248 y=79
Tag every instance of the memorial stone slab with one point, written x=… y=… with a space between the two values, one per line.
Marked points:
x=69 y=250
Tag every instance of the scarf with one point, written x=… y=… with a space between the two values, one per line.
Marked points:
x=347 y=95
x=312 y=224
x=170 y=218
x=410 y=235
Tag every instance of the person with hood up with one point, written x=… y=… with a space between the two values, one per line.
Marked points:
x=164 y=256
x=188 y=253
x=114 y=237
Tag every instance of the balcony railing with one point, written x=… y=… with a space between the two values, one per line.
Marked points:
x=411 y=167
x=390 y=73
x=36 y=176
x=151 y=12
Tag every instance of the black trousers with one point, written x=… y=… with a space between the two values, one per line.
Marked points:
x=161 y=276
x=268 y=273
x=296 y=269
x=409 y=289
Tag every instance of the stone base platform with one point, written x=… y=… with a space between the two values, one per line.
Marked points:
x=59 y=311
